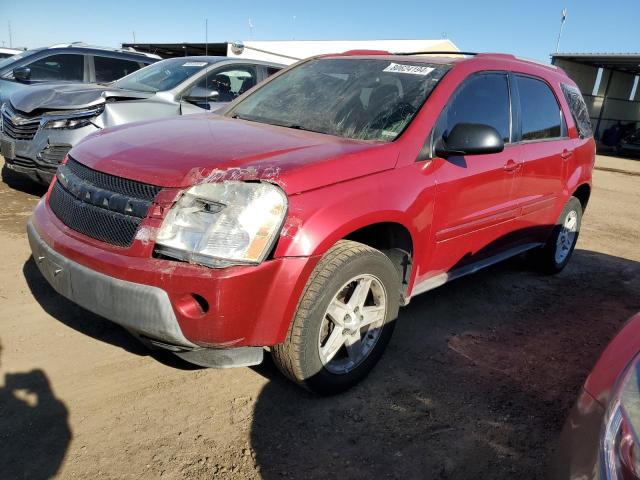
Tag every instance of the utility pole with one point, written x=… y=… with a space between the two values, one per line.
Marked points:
x=563 y=19
x=134 y=36
x=250 y=28
x=206 y=36
x=10 y=35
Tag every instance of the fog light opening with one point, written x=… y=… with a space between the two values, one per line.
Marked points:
x=201 y=301
x=192 y=305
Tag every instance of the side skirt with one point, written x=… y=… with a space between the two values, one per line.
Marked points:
x=441 y=279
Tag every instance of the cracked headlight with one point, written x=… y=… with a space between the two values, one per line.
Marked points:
x=72 y=120
x=221 y=224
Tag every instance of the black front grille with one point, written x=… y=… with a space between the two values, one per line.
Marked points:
x=54 y=154
x=95 y=222
x=112 y=183
x=94 y=203
x=19 y=126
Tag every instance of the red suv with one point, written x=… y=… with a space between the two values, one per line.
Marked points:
x=302 y=217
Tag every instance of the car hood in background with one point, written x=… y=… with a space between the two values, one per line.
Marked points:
x=42 y=98
x=184 y=151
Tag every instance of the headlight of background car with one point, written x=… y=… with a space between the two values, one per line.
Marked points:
x=620 y=443
x=71 y=120
x=220 y=224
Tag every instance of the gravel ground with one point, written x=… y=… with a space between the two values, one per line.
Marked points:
x=476 y=382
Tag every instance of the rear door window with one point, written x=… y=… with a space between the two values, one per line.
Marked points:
x=109 y=69
x=65 y=67
x=578 y=109
x=484 y=99
x=540 y=114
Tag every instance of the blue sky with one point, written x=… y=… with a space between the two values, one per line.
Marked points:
x=526 y=28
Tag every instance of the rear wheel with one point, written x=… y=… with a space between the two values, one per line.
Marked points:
x=344 y=319
x=557 y=251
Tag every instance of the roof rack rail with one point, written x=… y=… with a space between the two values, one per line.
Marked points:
x=106 y=49
x=437 y=52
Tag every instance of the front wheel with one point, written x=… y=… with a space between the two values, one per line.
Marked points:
x=344 y=319
x=555 y=254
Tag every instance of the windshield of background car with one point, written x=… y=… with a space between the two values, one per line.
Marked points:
x=5 y=62
x=161 y=76
x=364 y=99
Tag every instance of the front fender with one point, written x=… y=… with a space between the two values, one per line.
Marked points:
x=317 y=219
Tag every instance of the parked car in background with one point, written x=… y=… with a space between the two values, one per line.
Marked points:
x=601 y=439
x=41 y=124
x=9 y=52
x=305 y=214
x=630 y=144
x=73 y=62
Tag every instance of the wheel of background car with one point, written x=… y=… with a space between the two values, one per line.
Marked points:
x=556 y=253
x=344 y=319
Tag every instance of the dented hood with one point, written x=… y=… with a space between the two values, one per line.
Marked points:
x=187 y=150
x=69 y=96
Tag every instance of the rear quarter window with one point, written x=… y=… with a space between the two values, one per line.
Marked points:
x=540 y=113
x=578 y=108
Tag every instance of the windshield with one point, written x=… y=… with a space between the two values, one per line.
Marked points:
x=365 y=99
x=9 y=60
x=162 y=75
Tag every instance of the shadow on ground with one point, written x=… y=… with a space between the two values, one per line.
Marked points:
x=35 y=431
x=89 y=323
x=476 y=382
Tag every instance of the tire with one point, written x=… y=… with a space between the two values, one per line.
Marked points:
x=556 y=252
x=334 y=287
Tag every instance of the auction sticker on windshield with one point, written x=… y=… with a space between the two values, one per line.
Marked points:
x=411 y=69
x=194 y=64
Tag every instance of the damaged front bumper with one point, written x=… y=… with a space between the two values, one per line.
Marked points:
x=239 y=311
x=38 y=158
x=143 y=310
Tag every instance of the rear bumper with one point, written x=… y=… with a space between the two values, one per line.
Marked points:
x=243 y=306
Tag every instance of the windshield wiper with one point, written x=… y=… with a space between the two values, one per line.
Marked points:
x=294 y=126
x=300 y=127
x=240 y=117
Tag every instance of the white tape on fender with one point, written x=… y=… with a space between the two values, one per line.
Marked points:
x=410 y=69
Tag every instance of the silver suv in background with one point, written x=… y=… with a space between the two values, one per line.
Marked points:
x=73 y=62
x=39 y=126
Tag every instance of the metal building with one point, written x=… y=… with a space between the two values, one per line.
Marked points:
x=609 y=84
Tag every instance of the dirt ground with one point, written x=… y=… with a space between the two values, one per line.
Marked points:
x=476 y=382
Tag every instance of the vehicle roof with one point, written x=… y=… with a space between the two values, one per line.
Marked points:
x=453 y=58
x=85 y=46
x=219 y=58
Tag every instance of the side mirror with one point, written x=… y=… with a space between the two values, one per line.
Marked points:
x=22 y=74
x=469 y=139
x=199 y=95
